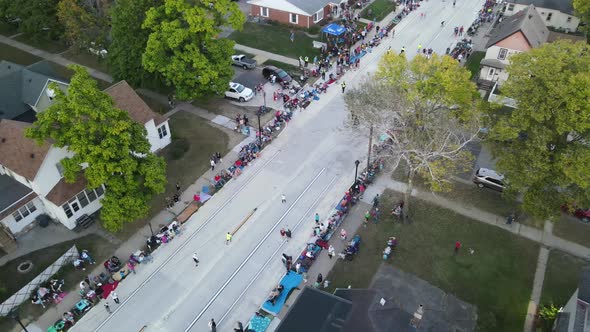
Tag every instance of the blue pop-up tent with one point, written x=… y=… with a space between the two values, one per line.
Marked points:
x=334 y=29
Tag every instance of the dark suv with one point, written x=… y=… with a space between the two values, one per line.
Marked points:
x=281 y=75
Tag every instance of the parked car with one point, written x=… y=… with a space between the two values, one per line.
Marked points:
x=580 y=213
x=241 y=60
x=239 y=92
x=489 y=178
x=281 y=75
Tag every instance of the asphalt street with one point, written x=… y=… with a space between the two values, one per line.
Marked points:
x=311 y=162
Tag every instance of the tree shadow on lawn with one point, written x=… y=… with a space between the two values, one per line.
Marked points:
x=497 y=277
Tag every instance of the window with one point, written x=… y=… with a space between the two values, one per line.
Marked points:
x=67 y=210
x=293 y=18
x=263 y=11
x=60 y=169
x=83 y=199
x=74 y=204
x=318 y=16
x=569 y=19
x=549 y=16
x=24 y=211
x=510 y=7
x=502 y=54
x=99 y=191
x=91 y=195
x=162 y=131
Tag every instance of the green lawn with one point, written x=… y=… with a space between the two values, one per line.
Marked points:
x=570 y=228
x=89 y=60
x=15 y=55
x=49 y=45
x=378 y=10
x=472 y=64
x=561 y=277
x=275 y=39
x=8 y=29
x=497 y=278
x=99 y=248
x=202 y=140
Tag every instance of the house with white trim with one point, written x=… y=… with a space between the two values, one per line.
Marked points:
x=300 y=13
x=558 y=14
x=31 y=176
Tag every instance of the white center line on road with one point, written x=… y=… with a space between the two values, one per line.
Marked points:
x=311 y=206
x=149 y=278
x=189 y=327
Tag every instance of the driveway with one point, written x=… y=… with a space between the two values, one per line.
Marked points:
x=249 y=78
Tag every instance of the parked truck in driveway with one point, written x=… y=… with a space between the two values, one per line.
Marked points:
x=241 y=60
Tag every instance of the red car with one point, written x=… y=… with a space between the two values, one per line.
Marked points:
x=582 y=214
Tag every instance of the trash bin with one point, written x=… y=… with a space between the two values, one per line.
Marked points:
x=43 y=220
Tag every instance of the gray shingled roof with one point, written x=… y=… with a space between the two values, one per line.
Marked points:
x=527 y=21
x=584 y=285
x=565 y=6
x=11 y=191
x=19 y=86
x=311 y=6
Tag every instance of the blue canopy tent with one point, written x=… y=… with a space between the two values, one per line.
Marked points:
x=334 y=29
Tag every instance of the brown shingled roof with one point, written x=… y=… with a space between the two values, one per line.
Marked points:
x=63 y=191
x=127 y=99
x=20 y=154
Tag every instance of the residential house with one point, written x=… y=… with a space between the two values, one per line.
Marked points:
x=575 y=315
x=517 y=33
x=558 y=14
x=31 y=176
x=301 y=13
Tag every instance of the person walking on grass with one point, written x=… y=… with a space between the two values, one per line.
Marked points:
x=196 y=259
x=457 y=247
x=228 y=237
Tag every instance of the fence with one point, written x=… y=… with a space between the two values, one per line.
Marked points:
x=25 y=293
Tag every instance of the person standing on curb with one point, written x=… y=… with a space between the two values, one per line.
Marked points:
x=131 y=267
x=212 y=325
x=228 y=237
x=115 y=298
x=212 y=164
x=343 y=85
x=196 y=259
x=331 y=252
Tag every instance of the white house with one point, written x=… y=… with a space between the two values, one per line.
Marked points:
x=558 y=14
x=517 y=33
x=31 y=181
x=574 y=316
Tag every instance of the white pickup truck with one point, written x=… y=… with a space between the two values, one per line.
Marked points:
x=241 y=60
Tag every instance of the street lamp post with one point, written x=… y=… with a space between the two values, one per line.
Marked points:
x=151 y=230
x=264 y=96
x=14 y=314
x=356 y=170
x=259 y=131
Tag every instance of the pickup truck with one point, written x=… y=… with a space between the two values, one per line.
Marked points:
x=242 y=61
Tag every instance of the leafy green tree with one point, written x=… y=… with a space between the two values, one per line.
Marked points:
x=582 y=8
x=112 y=146
x=183 y=48
x=82 y=25
x=542 y=146
x=129 y=39
x=37 y=18
x=426 y=111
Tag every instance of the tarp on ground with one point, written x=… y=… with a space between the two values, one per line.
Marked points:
x=334 y=29
x=290 y=280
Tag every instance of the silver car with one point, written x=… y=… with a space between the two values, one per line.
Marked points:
x=489 y=178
